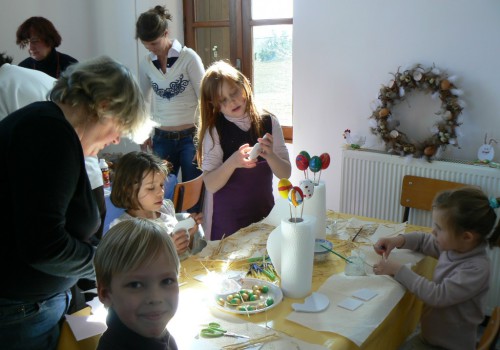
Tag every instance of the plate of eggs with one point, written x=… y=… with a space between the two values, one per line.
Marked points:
x=253 y=296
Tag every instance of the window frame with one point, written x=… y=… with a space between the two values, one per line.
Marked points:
x=240 y=26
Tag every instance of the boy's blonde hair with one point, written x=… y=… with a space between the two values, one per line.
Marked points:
x=129 y=245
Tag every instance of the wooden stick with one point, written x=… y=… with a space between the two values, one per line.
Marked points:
x=339 y=255
x=356 y=235
x=251 y=342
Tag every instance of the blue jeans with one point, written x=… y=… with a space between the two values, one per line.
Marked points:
x=180 y=152
x=32 y=326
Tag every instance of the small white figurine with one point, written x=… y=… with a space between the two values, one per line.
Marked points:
x=353 y=140
x=486 y=153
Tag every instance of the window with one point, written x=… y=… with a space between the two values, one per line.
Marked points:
x=256 y=37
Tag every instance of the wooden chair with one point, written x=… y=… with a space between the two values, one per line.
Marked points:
x=419 y=192
x=491 y=332
x=189 y=194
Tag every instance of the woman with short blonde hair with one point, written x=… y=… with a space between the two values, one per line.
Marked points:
x=49 y=213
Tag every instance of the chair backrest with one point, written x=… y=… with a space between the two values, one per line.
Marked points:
x=189 y=194
x=491 y=332
x=419 y=192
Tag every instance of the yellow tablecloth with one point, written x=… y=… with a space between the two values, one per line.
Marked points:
x=401 y=321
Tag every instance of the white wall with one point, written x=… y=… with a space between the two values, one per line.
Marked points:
x=344 y=51
x=88 y=28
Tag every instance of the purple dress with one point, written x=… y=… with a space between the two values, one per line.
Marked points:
x=247 y=196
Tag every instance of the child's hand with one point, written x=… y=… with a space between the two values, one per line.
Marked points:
x=181 y=240
x=239 y=159
x=198 y=217
x=386 y=245
x=386 y=267
x=266 y=144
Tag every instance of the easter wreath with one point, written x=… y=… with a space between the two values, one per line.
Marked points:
x=429 y=80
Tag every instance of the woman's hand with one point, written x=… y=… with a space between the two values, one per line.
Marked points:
x=181 y=241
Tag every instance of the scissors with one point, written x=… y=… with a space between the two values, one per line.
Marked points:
x=214 y=330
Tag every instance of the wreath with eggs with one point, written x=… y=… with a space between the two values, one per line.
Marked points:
x=443 y=132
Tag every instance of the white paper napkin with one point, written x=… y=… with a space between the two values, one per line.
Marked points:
x=356 y=325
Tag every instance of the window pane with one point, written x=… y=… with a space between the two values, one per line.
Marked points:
x=213 y=10
x=212 y=44
x=266 y=9
x=272 y=65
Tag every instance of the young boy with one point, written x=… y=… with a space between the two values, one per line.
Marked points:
x=136 y=270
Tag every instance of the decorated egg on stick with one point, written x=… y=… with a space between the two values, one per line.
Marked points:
x=325 y=160
x=307 y=187
x=302 y=162
x=305 y=154
x=325 y=163
x=284 y=186
x=315 y=164
x=295 y=196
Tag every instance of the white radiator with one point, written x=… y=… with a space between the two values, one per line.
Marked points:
x=371 y=186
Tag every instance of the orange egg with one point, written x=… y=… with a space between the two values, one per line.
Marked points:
x=384 y=112
x=429 y=151
x=445 y=84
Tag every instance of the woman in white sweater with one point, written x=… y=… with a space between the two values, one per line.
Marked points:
x=170 y=77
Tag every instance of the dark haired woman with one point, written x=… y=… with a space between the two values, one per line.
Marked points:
x=42 y=38
x=173 y=73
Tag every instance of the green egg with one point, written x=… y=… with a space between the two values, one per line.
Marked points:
x=269 y=301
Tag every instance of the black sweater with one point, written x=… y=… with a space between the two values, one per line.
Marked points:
x=119 y=337
x=53 y=64
x=47 y=210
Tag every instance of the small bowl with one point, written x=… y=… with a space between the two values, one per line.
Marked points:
x=320 y=253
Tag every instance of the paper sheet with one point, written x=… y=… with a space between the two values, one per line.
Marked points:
x=88 y=326
x=356 y=325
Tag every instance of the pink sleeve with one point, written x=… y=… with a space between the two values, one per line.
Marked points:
x=212 y=152
x=279 y=146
